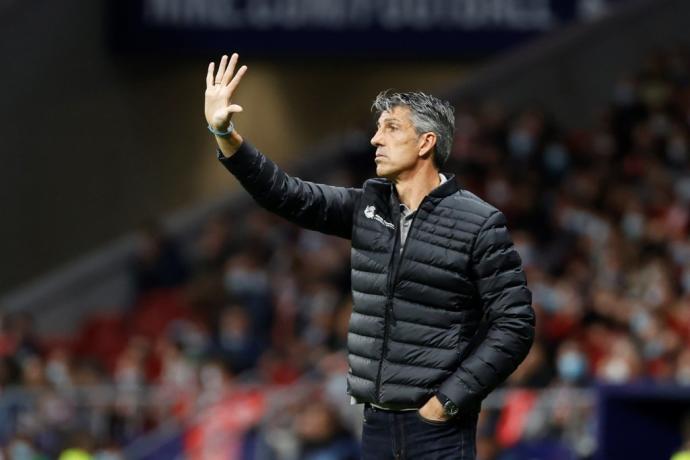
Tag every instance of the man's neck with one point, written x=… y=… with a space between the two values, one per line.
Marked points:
x=413 y=186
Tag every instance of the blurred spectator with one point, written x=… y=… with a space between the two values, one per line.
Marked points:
x=235 y=342
x=58 y=368
x=80 y=448
x=22 y=338
x=157 y=262
x=572 y=364
x=215 y=380
x=214 y=245
x=21 y=448
x=246 y=280
x=321 y=435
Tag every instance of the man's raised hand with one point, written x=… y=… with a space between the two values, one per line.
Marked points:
x=219 y=89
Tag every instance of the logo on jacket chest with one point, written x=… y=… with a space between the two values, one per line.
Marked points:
x=370 y=213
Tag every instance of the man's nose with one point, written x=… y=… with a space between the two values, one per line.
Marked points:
x=376 y=140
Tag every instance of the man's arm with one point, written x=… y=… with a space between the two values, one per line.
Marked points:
x=507 y=303
x=319 y=207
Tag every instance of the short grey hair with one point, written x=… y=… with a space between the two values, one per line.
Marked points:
x=428 y=114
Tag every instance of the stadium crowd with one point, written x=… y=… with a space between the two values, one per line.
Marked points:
x=600 y=217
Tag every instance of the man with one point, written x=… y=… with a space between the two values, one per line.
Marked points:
x=429 y=261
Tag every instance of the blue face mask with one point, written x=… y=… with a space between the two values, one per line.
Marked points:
x=520 y=144
x=556 y=159
x=633 y=225
x=547 y=297
x=571 y=366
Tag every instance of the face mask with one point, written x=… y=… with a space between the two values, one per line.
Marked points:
x=526 y=252
x=677 y=150
x=589 y=10
x=547 y=297
x=682 y=189
x=21 y=449
x=57 y=373
x=683 y=375
x=520 y=143
x=639 y=322
x=680 y=253
x=633 y=225
x=232 y=340
x=617 y=371
x=241 y=281
x=194 y=341
x=652 y=349
x=556 y=159
x=211 y=377
x=571 y=366
x=624 y=94
x=109 y=456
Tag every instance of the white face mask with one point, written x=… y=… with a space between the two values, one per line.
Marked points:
x=57 y=373
x=616 y=370
x=683 y=375
x=633 y=225
x=211 y=377
x=239 y=280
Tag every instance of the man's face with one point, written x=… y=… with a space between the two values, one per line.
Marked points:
x=396 y=141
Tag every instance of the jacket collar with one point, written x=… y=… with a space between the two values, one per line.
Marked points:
x=445 y=189
x=449 y=187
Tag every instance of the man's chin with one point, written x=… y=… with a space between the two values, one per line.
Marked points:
x=383 y=172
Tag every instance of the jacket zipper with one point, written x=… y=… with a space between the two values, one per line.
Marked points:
x=392 y=279
x=389 y=303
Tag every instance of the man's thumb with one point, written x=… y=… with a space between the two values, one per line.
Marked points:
x=234 y=108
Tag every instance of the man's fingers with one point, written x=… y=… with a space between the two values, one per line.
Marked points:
x=236 y=79
x=221 y=69
x=230 y=70
x=209 y=75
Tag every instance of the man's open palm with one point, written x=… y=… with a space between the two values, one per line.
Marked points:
x=219 y=89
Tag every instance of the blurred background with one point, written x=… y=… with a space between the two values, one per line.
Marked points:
x=150 y=310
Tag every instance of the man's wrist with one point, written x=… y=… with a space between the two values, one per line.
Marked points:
x=450 y=409
x=223 y=131
x=229 y=145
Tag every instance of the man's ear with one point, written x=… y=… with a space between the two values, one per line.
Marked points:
x=427 y=141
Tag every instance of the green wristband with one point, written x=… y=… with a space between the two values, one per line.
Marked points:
x=215 y=132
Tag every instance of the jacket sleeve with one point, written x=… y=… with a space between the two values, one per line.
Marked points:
x=509 y=316
x=324 y=208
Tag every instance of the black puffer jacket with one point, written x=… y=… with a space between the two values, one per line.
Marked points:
x=413 y=319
